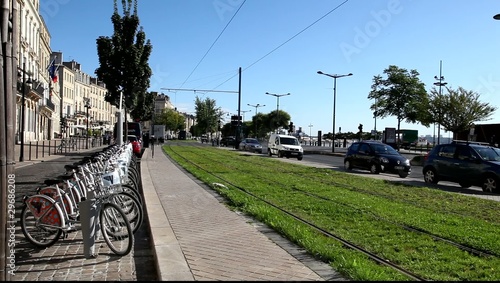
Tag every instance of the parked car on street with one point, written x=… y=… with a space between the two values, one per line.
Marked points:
x=376 y=157
x=136 y=145
x=250 y=144
x=204 y=138
x=228 y=141
x=466 y=163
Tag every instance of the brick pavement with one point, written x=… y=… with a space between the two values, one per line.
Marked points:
x=196 y=237
x=65 y=260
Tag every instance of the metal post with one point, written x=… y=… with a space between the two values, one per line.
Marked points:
x=23 y=105
x=440 y=84
x=334 y=98
x=277 y=106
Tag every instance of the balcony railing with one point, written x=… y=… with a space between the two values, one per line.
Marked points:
x=49 y=104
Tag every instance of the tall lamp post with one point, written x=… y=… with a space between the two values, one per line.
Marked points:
x=23 y=106
x=310 y=137
x=244 y=111
x=440 y=83
x=335 y=76
x=87 y=106
x=277 y=104
x=256 y=112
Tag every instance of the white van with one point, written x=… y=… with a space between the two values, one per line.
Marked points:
x=284 y=146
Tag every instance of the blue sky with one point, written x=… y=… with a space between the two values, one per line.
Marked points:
x=281 y=44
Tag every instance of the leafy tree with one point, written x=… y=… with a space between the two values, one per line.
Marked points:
x=401 y=94
x=172 y=120
x=457 y=110
x=123 y=61
x=207 y=115
x=145 y=107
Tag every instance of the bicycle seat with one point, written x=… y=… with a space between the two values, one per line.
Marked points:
x=71 y=167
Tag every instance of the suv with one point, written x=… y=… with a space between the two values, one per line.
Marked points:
x=376 y=157
x=465 y=163
x=227 y=141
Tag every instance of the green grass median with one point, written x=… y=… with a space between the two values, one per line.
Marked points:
x=380 y=216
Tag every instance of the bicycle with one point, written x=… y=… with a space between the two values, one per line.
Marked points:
x=45 y=217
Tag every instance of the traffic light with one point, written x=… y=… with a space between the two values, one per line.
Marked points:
x=360 y=128
x=290 y=127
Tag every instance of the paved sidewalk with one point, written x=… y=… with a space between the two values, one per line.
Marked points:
x=196 y=237
x=65 y=260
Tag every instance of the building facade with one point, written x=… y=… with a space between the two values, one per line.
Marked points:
x=59 y=103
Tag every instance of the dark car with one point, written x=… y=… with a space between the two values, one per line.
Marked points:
x=376 y=157
x=228 y=141
x=465 y=163
x=251 y=144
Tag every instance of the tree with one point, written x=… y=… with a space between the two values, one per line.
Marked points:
x=401 y=94
x=123 y=61
x=144 y=107
x=457 y=110
x=172 y=120
x=207 y=115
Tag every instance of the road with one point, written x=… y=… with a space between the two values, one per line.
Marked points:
x=416 y=177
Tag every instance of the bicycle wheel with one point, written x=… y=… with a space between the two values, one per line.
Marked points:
x=131 y=207
x=131 y=190
x=116 y=229
x=41 y=226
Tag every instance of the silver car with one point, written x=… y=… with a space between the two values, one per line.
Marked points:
x=251 y=144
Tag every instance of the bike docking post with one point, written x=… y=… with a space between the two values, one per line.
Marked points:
x=88 y=219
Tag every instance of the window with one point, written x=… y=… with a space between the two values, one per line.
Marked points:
x=464 y=153
x=447 y=151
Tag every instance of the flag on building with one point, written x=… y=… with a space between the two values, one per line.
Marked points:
x=52 y=68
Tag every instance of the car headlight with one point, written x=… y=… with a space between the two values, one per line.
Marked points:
x=384 y=160
x=407 y=162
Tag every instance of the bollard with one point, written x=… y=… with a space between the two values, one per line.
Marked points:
x=88 y=217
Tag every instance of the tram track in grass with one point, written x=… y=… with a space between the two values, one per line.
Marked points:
x=220 y=170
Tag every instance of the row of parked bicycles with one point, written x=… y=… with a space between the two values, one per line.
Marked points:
x=109 y=180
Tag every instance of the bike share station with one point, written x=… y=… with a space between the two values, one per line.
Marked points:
x=90 y=207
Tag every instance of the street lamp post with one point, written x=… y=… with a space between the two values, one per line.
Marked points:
x=256 y=107
x=256 y=112
x=310 y=137
x=244 y=111
x=277 y=104
x=440 y=83
x=87 y=106
x=335 y=76
x=23 y=106
x=496 y=17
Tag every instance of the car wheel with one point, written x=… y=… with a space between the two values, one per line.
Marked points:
x=430 y=176
x=374 y=169
x=280 y=154
x=464 y=185
x=299 y=158
x=403 y=174
x=490 y=184
x=269 y=152
x=347 y=165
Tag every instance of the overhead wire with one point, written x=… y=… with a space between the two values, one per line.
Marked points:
x=288 y=40
x=215 y=41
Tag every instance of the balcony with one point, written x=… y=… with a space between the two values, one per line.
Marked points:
x=48 y=105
